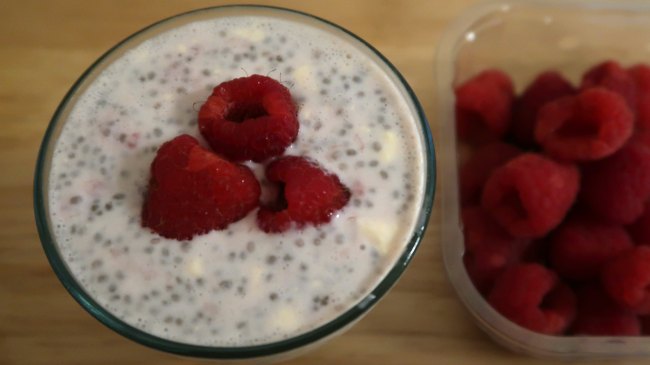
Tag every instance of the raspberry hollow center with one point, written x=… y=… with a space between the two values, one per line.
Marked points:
x=279 y=203
x=239 y=112
x=577 y=128
x=547 y=303
x=512 y=202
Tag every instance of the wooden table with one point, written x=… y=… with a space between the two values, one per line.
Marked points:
x=46 y=45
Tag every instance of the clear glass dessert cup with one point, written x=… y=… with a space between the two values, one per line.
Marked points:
x=269 y=352
x=524 y=38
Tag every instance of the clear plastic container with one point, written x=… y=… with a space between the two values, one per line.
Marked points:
x=524 y=38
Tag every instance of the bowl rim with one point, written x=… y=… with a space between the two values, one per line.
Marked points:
x=262 y=350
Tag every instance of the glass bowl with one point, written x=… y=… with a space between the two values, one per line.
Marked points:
x=266 y=352
x=524 y=38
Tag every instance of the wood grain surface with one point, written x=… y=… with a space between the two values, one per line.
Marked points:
x=46 y=45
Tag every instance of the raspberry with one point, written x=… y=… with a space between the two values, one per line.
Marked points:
x=488 y=248
x=641 y=136
x=307 y=195
x=617 y=187
x=627 y=277
x=475 y=172
x=640 y=229
x=531 y=194
x=640 y=74
x=483 y=106
x=612 y=76
x=588 y=126
x=548 y=86
x=533 y=297
x=599 y=315
x=192 y=191
x=581 y=246
x=249 y=118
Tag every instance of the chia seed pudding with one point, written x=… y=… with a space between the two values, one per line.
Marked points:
x=238 y=286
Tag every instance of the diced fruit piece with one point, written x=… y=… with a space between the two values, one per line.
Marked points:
x=192 y=191
x=599 y=315
x=581 y=246
x=533 y=297
x=531 y=194
x=249 y=118
x=488 y=248
x=640 y=229
x=589 y=126
x=617 y=187
x=546 y=87
x=284 y=318
x=627 y=279
x=378 y=232
x=483 y=106
x=475 y=172
x=612 y=76
x=641 y=76
x=308 y=195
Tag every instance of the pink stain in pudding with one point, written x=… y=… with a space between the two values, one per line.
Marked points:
x=116 y=252
x=94 y=187
x=132 y=140
x=361 y=144
x=357 y=188
x=147 y=274
x=210 y=308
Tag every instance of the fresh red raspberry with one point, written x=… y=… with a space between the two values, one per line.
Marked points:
x=546 y=87
x=627 y=279
x=249 y=118
x=617 y=187
x=588 y=126
x=612 y=76
x=640 y=74
x=475 y=172
x=488 y=248
x=193 y=191
x=531 y=194
x=307 y=195
x=533 y=297
x=640 y=229
x=483 y=106
x=641 y=136
x=599 y=315
x=581 y=246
